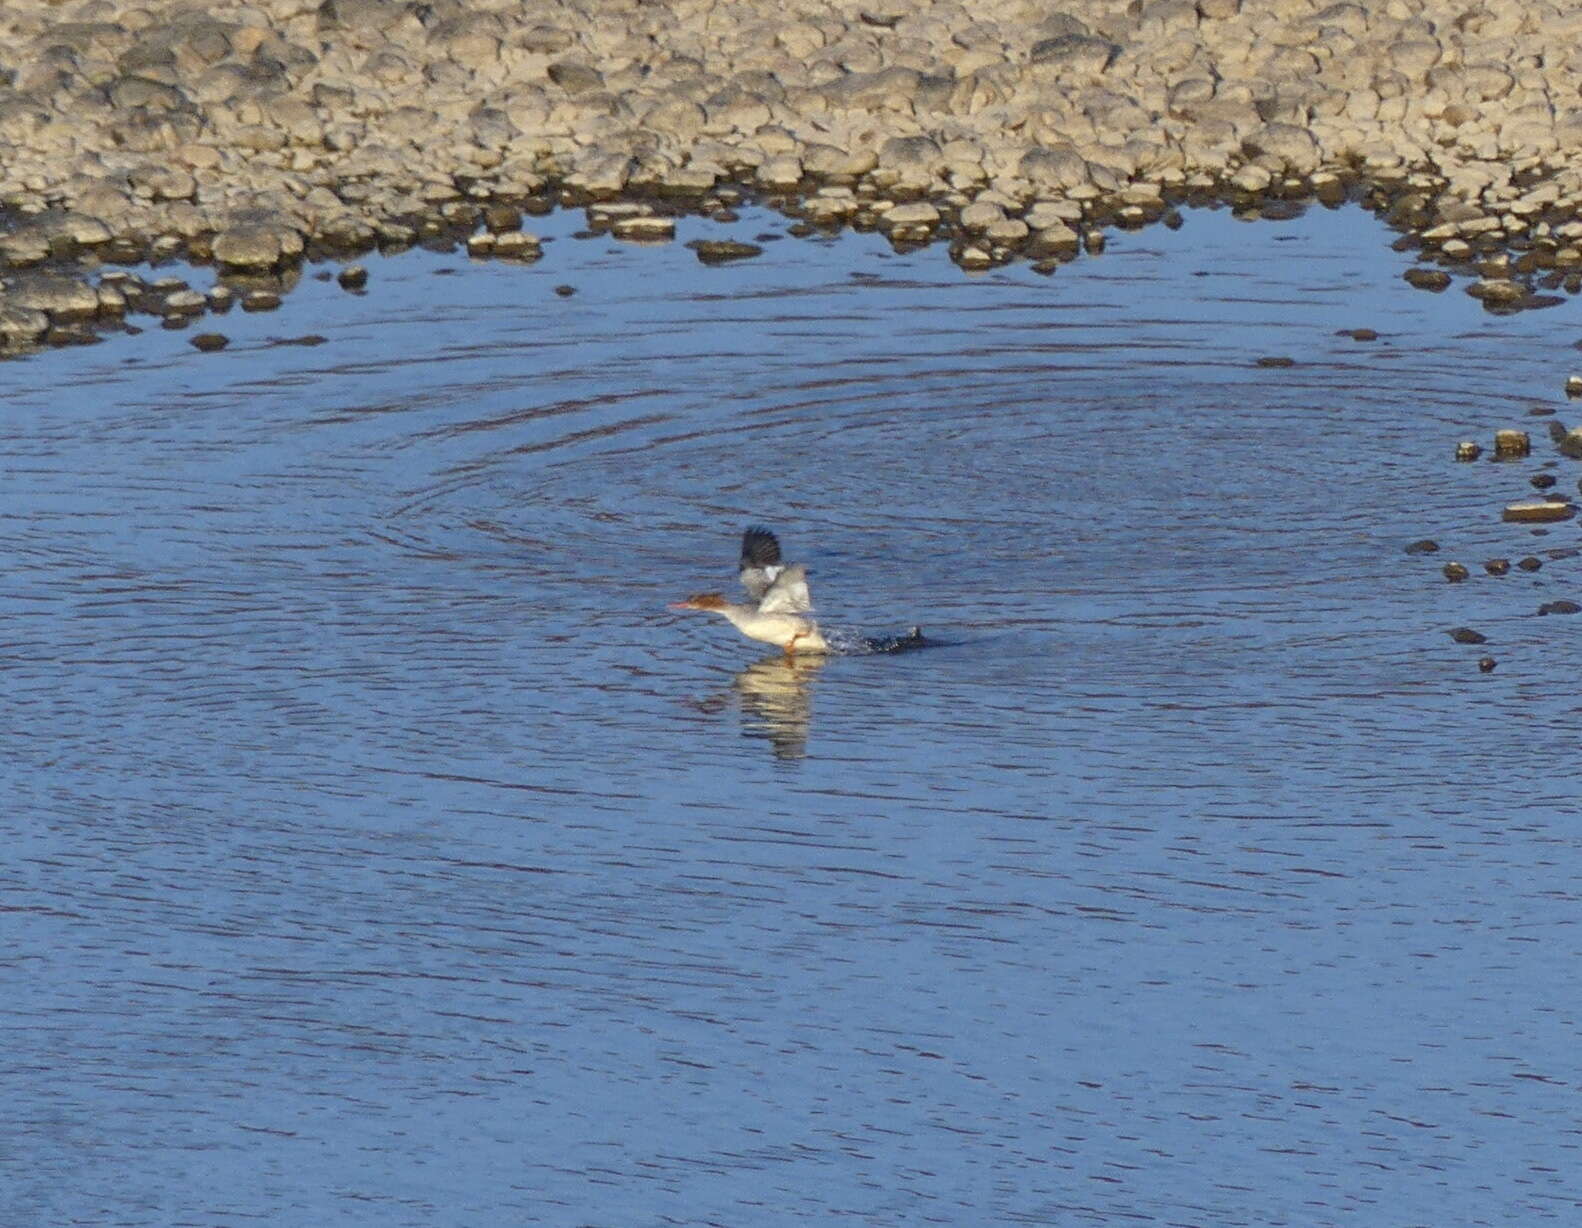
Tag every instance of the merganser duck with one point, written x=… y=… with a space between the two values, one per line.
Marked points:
x=781 y=611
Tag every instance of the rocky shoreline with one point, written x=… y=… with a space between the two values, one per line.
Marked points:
x=251 y=136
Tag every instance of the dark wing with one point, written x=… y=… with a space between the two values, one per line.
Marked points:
x=760 y=548
x=760 y=562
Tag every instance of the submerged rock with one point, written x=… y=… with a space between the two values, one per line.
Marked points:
x=723 y=251
x=1426 y=546
x=1497 y=567
x=1560 y=607
x=1455 y=572
x=1486 y=665
x=209 y=342
x=1466 y=635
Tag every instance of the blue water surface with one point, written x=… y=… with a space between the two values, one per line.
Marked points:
x=380 y=850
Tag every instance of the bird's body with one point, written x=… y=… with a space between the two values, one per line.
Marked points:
x=779 y=611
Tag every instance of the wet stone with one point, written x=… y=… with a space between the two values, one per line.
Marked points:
x=1574 y=386
x=1466 y=450
x=353 y=277
x=645 y=229
x=1426 y=546
x=256 y=247
x=1276 y=360
x=1455 y=572
x=1427 y=279
x=1542 y=481
x=1466 y=635
x=185 y=302
x=62 y=298
x=1538 y=511
x=517 y=245
x=1497 y=567
x=20 y=326
x=260 y=300
x=1560 y=607
x=565 y=291
x=63 y=335
x=1530 y=563
x=723 y=251
x=209 y=342
x=1497 y=290
x=1486 y=665
x=1510 y=443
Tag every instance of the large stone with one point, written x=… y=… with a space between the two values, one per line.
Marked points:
x=1057 y=170
x=256 y=247
x=1293 y=147
x=21 y=325
x=62 y=298
x=1075 y=52
x=1058 y=242
x=915 y=213
x=1541 y=511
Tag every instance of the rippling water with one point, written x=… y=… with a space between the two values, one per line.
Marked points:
x=381 y=851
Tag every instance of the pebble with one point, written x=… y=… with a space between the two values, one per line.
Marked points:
x=353 y=277
x=1529 y=563
x=209 y=342
x=355 y=121
x=645 y=229
x=1497 y=567
x=1509 y=444
x=260 y=300
x=185 y=302
x=1466 y=450
x=1455 y=572
x=1486 y=665
x=1574 y=386
x=1538 y=511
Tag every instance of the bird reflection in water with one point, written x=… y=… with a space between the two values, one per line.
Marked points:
x=776 y=696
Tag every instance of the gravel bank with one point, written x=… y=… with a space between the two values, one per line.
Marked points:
x=252 y=134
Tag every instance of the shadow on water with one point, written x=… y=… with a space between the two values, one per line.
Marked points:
x=366 y=863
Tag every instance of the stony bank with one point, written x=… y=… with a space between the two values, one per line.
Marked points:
x=248 y=135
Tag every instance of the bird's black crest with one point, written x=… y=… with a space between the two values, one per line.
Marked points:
x=759 y=548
